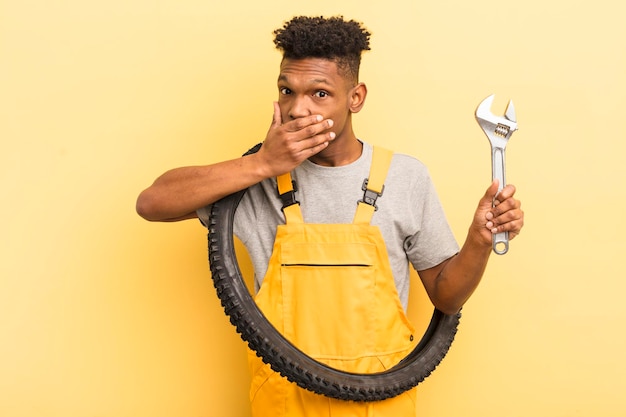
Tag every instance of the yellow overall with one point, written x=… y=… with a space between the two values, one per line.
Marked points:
x=330 y=291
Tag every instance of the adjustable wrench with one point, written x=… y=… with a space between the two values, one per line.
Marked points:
x=498 y=130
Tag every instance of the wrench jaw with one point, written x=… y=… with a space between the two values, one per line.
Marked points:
x=483 y=111
x=509 y=113
x=496 y=127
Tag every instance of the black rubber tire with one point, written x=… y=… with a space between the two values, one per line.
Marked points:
x=289 y=361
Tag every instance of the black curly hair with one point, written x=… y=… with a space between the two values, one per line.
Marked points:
x=330 y=38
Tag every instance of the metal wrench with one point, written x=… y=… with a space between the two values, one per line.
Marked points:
x=498 y=130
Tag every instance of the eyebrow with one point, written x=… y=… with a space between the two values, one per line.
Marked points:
x=314 y=81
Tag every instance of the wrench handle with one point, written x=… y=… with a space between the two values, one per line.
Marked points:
x=500 y=240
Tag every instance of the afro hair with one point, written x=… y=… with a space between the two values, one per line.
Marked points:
x=329 y=38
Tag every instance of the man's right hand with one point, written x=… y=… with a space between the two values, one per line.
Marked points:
x=178 y=193
x=288 y=144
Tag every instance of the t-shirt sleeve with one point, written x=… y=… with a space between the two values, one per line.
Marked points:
x=244 y=214
x=433 y=242
x=203 y=215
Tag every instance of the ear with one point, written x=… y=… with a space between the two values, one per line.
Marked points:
x=357 y=97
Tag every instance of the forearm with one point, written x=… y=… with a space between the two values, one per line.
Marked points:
x=178 y=193
x=460 y=276
x=452 y=282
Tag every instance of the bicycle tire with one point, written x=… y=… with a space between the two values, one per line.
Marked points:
x=285 y=358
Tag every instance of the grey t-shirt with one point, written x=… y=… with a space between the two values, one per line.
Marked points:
x=409 y=213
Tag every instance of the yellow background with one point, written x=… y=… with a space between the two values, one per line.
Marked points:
x=105 y=315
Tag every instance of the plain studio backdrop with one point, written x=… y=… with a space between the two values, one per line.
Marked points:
x=103 y=314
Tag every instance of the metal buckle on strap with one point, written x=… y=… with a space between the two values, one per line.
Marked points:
x=289 y=198
x=370 y=196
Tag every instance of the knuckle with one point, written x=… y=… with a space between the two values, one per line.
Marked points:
x=310 y=131
x=296 y=125
x=304 y=122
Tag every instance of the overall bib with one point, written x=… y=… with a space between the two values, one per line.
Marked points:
x=330 y=291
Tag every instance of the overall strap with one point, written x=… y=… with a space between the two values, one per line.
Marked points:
x=373 y=186
x=287 y=193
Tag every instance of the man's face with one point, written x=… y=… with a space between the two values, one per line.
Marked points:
x=314 y=86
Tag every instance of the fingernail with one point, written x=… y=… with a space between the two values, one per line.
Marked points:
x=330 y=123
x=319 y=118
x=332 y=135
x=489 y=216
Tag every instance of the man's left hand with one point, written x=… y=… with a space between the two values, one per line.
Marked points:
x=498 y=212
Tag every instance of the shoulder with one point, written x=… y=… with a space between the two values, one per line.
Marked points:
x=400 y=161
x=407 y=169
x=408 y=161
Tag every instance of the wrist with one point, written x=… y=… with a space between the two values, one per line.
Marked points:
x=260 y=167
x=479 y=240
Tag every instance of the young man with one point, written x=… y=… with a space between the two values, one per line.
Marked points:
x=311 y=137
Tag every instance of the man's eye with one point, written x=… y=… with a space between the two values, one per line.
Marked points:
x=321 y=94
x=284 y=90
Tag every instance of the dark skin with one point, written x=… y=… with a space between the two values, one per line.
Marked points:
x=313 y=120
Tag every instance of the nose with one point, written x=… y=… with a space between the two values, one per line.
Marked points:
x=299 y=108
